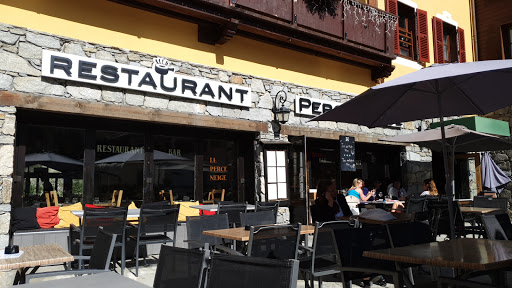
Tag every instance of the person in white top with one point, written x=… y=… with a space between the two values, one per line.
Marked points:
x=397 y=192
x=429 y=188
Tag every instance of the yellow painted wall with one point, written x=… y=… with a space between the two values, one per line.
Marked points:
x=461 y=13
x=104 y=22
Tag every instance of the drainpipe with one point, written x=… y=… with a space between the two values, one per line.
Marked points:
x=473 y=30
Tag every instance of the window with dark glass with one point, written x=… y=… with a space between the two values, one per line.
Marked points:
x=173 y=167
x=53 y=162
x=219 y=168
x=119 y=165
x=506 y=38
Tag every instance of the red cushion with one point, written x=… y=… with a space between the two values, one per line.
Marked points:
x=92 y=206
x=48 y=217
x=205 y=212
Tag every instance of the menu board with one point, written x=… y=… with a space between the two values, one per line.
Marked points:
x=347 y=153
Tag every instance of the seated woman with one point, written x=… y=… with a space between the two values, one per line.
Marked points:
x=357 y=191
x=429 y=188
x=329 y=205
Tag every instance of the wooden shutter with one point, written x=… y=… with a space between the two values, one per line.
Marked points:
x=422 y=24
x=462 y=45
x=392 y=7
x=437 y=26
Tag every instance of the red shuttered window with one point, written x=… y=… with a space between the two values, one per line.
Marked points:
x=437 y=26
x=392 y=7
x=462 y=45
x=422 y=22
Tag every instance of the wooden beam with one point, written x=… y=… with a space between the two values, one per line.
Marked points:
x=334 y=135
x=116 y=111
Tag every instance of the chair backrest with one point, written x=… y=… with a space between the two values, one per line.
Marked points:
x=493 y=228
x=166 y=197
x=252 y=272
x=505 y=223
x=489 y=202
x=181 y=267
x=443 y=223
x=112 y=220
x=411 y=233
x=268 y=206
x=197 y=224
x=233 y=211
x=101 y=252
x=52 y=195
x=274 y=241
x=158 y=218
x=325 y=247
x=117 y=196
x=415 y=205
x=257 y=218
x=216 y=194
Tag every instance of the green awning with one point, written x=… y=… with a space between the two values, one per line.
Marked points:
x=480 y=124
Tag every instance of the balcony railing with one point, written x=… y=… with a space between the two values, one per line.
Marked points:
x=353 y=35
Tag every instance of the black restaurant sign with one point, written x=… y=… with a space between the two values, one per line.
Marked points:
x=347 y=153
x=160 y=79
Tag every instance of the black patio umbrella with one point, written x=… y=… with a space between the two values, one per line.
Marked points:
x=458 y=139
x=434 y=92
x=53 y=160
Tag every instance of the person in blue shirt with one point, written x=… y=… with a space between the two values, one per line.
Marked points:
x=357 y=190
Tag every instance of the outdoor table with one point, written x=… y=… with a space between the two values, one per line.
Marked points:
x=35 y=256
x=467 y=254
x=240 y=234
x=214 y=207
x=132 y=213
x=479 y=210
x=105 y=279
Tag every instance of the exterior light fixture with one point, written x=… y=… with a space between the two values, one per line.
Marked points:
x=281 y=114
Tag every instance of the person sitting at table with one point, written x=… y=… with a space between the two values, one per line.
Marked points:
x=357 y=190
x=429 y=188
x=329 y=205
x=366 y=191
x=397 y=191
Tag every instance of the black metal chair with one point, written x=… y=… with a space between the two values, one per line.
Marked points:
x=197 y=224
x=325 y=258
x=505 y=223
x=351 y=245
x=441 y=223
x=155 y=222
x=249 y=272
x=233 y=211
x=257 y=218
x=99 y=261
x=265 y=206
x=493 y=228
x=113 y=220
x=181 y=267
x=274 y=241
x=484 y=202
x=489 y=202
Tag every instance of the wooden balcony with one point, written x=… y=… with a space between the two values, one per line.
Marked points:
x=286 y=23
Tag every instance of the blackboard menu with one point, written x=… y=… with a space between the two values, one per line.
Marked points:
x=347 y=153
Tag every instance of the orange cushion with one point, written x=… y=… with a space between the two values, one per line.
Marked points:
x=48 y=217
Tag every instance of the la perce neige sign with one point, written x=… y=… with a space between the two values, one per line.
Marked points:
x=160 y=79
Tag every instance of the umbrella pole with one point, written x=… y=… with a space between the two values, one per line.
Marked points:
x=448 y=189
